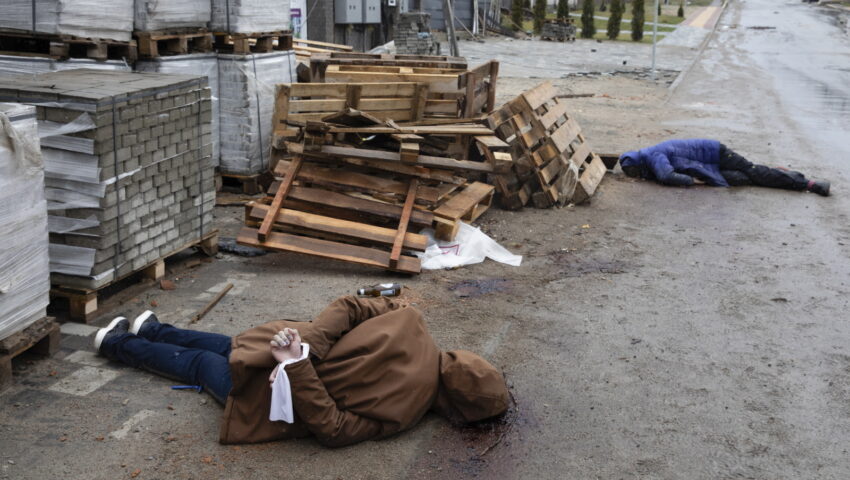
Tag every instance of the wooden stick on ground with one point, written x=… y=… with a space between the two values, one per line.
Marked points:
x=395 y=254
x=212 y=304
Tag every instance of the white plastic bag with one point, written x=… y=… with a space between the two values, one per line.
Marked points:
x=470 y=246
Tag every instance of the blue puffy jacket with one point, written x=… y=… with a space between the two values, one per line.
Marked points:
x=674 y=162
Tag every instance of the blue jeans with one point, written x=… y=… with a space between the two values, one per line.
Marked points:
x=196 y=358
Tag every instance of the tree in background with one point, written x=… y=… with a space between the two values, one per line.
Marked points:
x=681 y=12
x=526 y=4
x=659 y=9
x=588 y=29
x=563 y=9
x=637 y=20
x=516 y=14
x=539 y=15
x=614 y=19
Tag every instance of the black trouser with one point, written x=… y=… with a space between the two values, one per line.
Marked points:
x=737 y=170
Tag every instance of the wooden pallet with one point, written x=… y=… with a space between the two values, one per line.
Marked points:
x=466 y=205
x=319 y=61
x=61 y=47
x=248 y=43
x=323 y=216
x=298 y=103
x=307 y=48
x=554 y=162
x=41 y=337
x=247 y=184
x=462 y=93
x=83 y=301
x=157 y=44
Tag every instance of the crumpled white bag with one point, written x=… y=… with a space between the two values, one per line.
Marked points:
x=470 y=246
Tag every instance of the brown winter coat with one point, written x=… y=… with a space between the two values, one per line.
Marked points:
x=374 y=370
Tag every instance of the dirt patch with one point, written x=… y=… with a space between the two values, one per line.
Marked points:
x=476 y=288
x=573 y=265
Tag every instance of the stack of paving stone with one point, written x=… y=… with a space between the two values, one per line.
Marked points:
x=246 y=85
x=249 y=16
x=413 y=34
x=192 y=64
x=127 y=168
x=24 y=274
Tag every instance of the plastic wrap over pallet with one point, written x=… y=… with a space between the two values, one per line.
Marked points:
x=193 y=64
x=15 y=65
x=127 y=171
x=152 y=15
x=24 y=272
x=246 y=85
x=249 y=16
x=80 y=18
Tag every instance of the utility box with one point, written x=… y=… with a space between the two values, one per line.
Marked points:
x=371 y=11
x=349 y=11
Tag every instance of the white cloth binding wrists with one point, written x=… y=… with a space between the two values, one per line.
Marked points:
x=281 y=408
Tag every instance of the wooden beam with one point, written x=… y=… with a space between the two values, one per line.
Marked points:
x=395 y=253
x=424 y=160
x=281 y=193
x=286 y=242
x=342 y=228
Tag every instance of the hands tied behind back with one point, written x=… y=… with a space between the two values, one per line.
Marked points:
x=285 y=345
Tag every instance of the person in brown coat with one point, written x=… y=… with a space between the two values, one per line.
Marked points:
x=371 y=370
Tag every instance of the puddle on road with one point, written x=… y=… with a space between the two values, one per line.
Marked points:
x=476 y=288
x=577 y=266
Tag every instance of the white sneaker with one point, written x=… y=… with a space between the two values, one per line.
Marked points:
x=146 y=317
x=117 y=326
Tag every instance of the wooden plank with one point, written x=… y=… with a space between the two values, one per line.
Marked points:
x=465 y=201
x=335 y=105
x=424 y=160
x=580 y=155
x=553 y=114
x=426 y=130
x=400 y=115
x=565 y=134
x=315 y=43
x=363 y=182
x=340 y=201
x=539 y=95
x=395 y=253
x=338 y=90
x=344 y=228
x=589 y=180
x=285 y=242
x=491 y=141
x=279 y=196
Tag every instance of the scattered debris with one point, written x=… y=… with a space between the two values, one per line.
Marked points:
x=229 y=245
x=212 y=303
x=476 y=288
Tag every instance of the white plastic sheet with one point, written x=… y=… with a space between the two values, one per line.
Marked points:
x=249 y=16
x=470 y=246
x=19 y=65
x=24 y=274
x=246 y=85
x=81 y=18
x=153 y=15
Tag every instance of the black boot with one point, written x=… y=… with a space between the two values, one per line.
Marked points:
x=821 y=187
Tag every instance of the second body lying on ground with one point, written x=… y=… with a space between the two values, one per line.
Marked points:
x=678 y=162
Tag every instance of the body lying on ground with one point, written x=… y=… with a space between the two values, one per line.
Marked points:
x=371 y=370
x=679 y=162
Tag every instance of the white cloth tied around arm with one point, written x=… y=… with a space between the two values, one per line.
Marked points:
x=281 y=408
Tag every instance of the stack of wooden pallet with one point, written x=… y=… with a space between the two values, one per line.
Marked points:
x=464 y=92
x=553 y=163
x=358 y=186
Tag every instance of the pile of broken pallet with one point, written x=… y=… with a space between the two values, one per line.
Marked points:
x=363 y=167
x=360 y=188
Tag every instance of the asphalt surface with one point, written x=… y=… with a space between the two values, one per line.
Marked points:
x=654 y=333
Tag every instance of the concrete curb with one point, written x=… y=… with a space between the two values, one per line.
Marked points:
x=673 y=86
